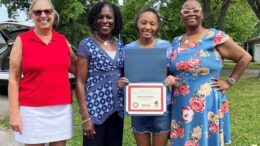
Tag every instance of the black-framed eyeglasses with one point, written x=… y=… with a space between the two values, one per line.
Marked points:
x=190 y=11
x=39 y=12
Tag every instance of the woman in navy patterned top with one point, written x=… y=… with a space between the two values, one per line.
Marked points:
x=99 y=65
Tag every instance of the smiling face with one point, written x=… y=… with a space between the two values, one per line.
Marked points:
x=191 y=13
x=42 y=15
x=147 y=25
x=106 y=21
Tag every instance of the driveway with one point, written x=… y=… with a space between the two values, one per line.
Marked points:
x=247 y=73
x=4 y=107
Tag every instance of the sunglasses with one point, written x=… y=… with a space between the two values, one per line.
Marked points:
x=190 y=11
x=39 y=12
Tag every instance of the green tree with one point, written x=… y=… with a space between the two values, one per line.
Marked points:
x=220 y=14
x=223 y=12
x=235 y=17
x=71 y=25
x=129 y=11
x=241 y=22
x=14 y=5
x=70 y=12
x=172 y=25
x=255 y=5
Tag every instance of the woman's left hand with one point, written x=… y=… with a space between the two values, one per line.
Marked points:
x=221 y=85
x=89 y=129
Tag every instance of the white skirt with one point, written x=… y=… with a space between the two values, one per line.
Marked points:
x=45 y=124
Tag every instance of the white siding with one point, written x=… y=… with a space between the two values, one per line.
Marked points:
x=257 y=52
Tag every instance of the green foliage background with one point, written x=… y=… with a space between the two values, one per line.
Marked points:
x=241 y=21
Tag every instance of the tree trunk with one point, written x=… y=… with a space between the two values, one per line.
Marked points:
x=208 y=21
x=223 y=13
x=255 y=5
x=73 y=33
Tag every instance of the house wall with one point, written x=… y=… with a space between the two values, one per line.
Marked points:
x=256 y=48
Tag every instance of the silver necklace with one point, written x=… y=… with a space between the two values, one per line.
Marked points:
x=105 y=42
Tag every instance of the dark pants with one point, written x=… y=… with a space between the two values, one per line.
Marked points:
x=110 y=133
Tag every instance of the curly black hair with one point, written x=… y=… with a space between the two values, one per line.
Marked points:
x=96 y=10
x=148 y=10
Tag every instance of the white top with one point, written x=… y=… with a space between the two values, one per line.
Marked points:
x=112 y=54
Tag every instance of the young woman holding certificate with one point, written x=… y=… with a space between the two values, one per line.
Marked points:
x=150 y=127
x=99 y=65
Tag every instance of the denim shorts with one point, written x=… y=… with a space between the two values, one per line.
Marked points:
x=152 y=124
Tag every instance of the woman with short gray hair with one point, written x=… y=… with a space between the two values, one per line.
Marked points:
x=39 y=88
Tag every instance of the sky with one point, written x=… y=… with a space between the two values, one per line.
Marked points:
x=22 y=15
x=4 y=15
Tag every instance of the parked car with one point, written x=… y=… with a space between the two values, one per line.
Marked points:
x=9 y=30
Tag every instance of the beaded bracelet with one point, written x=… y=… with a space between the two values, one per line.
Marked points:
x=88 y=119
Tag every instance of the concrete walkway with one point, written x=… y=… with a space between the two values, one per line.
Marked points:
x=7 y=138
x=247 y=73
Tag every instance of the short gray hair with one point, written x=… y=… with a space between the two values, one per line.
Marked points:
x=50 y=3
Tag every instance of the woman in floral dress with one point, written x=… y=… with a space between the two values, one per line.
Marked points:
x=200 y=114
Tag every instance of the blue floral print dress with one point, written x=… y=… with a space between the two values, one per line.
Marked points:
x=200 y=114
x=103 y=96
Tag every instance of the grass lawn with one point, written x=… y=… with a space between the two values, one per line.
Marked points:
x=4 y=122
x=244 y=102
x=230 y=65
x=244 y=114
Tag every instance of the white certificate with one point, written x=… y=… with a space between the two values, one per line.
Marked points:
x=145 y=99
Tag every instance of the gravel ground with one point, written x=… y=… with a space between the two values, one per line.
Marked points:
x=7 y=138
x=6 y=135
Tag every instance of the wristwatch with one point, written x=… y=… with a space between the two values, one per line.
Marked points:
x=231 y=81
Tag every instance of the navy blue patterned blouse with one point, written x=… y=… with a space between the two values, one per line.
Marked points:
x=103 y=96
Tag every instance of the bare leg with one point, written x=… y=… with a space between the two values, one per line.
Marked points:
x=58 y=143
x=161 y=139
x=142 y=139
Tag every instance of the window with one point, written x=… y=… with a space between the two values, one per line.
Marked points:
x=3 y=45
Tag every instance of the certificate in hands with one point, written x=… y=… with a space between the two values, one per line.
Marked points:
x=146 y=70
x=145 y=99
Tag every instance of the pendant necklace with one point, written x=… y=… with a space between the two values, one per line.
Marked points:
x=103 y=41
x=186 y=39
x=188 y=43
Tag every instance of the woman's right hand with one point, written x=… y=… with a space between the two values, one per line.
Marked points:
x=16 y=123
x=88 y=129
x=170 y=80
x=122 y=82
